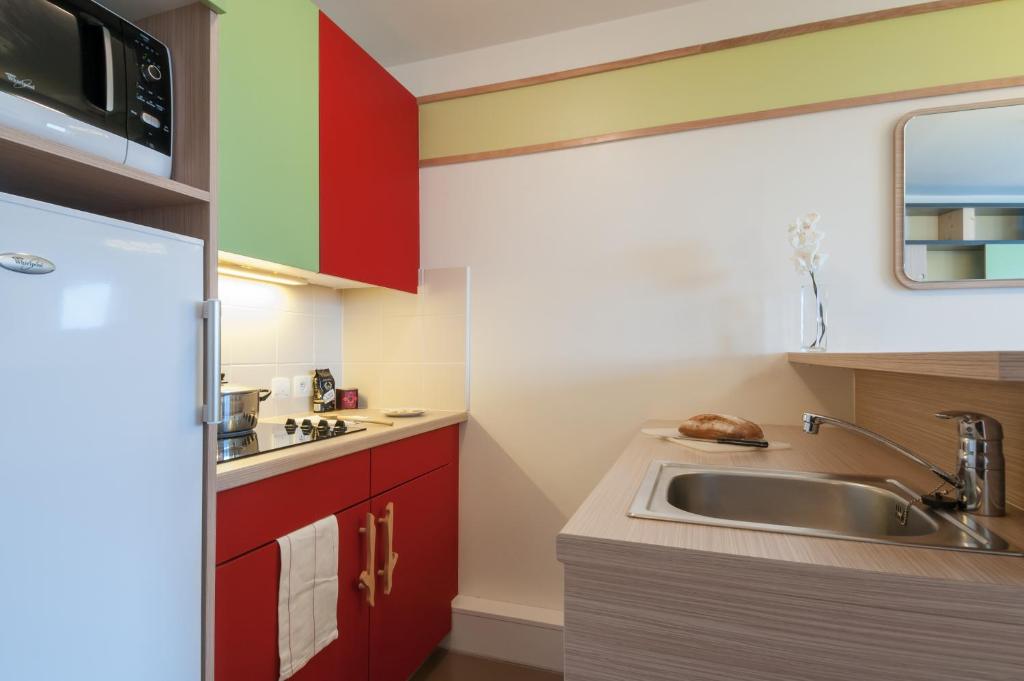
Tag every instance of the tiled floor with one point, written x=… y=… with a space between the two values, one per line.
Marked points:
x=446 y=666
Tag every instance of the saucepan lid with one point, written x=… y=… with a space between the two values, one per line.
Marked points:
x=232 y=389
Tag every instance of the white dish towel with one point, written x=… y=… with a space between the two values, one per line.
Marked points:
x=307 y=597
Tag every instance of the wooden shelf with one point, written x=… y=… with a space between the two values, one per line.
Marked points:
x=39 y=169
x=988 y=211
x=956 y=245
x=952 y=202
x=980 y=366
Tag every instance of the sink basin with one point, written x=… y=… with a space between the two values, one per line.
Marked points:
x=836 y=506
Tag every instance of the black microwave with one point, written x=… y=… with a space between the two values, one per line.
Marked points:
x=76 y=73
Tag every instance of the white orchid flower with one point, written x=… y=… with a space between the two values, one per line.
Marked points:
x=806 y=238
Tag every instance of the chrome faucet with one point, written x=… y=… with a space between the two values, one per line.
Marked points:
x=980 y=464
x=979 y=482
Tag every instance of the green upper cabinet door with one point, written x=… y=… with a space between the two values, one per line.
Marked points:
x=268 y=107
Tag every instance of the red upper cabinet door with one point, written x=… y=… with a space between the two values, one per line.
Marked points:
x=408 y=623
x=369 y=168
x=245 y=629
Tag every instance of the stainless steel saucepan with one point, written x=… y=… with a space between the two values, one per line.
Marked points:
x=241 y=408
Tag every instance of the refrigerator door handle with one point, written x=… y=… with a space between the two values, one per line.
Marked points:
x=211 y=369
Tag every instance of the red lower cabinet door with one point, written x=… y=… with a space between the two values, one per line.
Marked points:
x=245 y=638
x=412 y=616
x=353 y=603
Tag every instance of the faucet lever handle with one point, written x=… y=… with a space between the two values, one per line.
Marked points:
x=974 y=425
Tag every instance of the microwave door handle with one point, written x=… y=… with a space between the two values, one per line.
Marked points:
x=108 y=56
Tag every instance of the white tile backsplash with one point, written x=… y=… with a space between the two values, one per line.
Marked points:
x=402 y=385
x=366 y=376
x=327 y=338
x=402 y=350
x=250 y=334
x=295 y=338
x=398 y=349
x=240 y=292
x=363 y=329
x=328 y=302
x=403 y=338
x=444 y=386
x=444 y=338
x=270 y=330
x=397 y=303
x=252 y=375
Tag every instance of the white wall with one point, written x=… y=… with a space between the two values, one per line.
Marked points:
x=651 y=278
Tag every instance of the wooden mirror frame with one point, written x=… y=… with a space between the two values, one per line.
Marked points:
x=899 y=202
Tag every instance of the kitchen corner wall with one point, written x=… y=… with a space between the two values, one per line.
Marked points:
x=273 y=330
x=409 y=350
x=651 y=279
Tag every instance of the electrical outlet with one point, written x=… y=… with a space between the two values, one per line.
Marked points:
x=281 y=388
x=302 y=386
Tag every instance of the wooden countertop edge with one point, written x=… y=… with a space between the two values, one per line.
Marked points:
x=972 y=600
x=995 y=365
x=602 y=519
x=578 y=549
x=233 y=474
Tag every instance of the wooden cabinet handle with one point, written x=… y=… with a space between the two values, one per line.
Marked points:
x=391 y=558
x=367 y=582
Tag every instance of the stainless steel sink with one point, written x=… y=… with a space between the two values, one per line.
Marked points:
x=835 y=506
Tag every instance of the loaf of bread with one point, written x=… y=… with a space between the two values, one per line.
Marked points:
x=714 y=426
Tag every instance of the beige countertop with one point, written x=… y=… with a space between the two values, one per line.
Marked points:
x=240 y=472
x=603 y=516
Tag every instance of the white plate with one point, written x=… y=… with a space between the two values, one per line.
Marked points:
x=402 y=412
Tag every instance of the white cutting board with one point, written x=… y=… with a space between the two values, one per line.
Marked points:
x=672 y=435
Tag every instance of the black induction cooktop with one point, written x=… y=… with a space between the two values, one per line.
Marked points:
x=270 y=437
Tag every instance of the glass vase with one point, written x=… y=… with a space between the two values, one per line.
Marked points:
x=813 y=317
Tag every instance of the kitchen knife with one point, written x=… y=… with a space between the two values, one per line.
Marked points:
x=762 y=444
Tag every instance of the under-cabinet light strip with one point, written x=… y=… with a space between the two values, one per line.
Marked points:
x=246 y=273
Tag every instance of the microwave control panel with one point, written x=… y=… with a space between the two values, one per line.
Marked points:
x=150 y=115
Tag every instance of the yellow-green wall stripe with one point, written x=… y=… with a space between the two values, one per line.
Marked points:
x=961 y=45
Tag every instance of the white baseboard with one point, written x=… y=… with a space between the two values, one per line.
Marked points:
x=506 y=631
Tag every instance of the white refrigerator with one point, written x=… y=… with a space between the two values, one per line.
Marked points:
x=101 y=448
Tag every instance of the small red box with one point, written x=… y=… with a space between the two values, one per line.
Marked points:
x=349 y=398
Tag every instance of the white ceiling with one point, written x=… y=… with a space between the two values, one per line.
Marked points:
x=403 y=31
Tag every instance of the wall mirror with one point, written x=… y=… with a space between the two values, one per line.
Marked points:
x=960 y=196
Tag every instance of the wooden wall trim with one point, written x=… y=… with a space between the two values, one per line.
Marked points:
x=704 y=48
x=798 y=110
